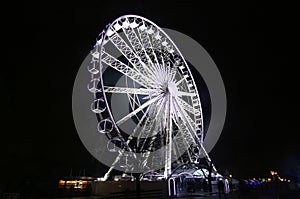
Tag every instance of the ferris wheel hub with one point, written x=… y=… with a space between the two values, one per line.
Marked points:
x=172 y=88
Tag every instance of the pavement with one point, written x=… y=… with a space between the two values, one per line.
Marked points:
x=251 y=194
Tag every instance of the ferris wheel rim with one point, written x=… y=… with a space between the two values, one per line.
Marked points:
x=105 y=32
x=189 y=106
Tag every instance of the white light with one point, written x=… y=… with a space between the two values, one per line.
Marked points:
x=150 y=31
x=142 y=27
x=109 y=32
x=125 y=24
x=96 y=54
x=99 y=42
x=164 y=43
x=117 y=26
x=133 y=24
x=157 y=36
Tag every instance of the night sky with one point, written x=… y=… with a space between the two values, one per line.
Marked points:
x=251 y=43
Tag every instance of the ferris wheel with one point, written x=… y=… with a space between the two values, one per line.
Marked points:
x=134 y=64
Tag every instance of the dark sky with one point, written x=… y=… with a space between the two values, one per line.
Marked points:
x=251 y=43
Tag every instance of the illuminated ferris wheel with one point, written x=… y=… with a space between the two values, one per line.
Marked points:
x=134 y=64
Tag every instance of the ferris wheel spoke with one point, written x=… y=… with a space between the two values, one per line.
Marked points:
x=162 y=44
x=197 y=116
x=180 y=81
x=192 y=123
x=135 y=60
x=126 y=90
x=152 y=124
x=134 y=112
x=145 y=40
x=188 y=122
x=184 y=140
x=116 y=161
x=139 y=124
x=185 y=105
x=179 y=144
x=157 y=47
x=167 y=69
x=182 y=93
x=138 y=48
x=126 y=70
x=190 y=139
x=133 y=99
x=185 y=137
x=145 y=159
